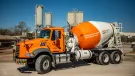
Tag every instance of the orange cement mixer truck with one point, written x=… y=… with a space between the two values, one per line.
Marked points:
x=92 y=40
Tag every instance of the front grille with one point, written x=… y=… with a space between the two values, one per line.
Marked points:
x=17 y=51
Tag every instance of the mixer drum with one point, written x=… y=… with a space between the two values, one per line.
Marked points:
x=92 y=34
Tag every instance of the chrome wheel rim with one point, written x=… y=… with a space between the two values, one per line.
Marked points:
x=106 y=58
x=45 y=64
x=117 y=57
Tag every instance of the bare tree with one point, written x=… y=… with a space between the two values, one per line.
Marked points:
x=16 y=30
x=21 y=27
x=5 y=31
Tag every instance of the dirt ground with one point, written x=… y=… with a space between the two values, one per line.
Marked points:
x=126 y=68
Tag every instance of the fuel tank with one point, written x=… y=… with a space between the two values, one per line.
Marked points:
x=92 y=34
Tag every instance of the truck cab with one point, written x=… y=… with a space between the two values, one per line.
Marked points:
x=51 y=39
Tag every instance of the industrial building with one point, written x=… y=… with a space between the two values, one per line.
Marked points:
x=129 y=34
x=6 y=41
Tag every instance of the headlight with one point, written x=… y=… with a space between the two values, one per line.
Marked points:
x=29 y=55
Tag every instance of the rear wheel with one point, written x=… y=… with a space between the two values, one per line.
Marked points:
x=103 y=58
x=43 y=64
x=115 y=57
x=97 y=60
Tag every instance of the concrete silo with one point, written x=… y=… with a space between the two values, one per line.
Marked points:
x=74 y=18
x=48 y=19
x=38 y=19
x=39 y=15
x=79 y=17
x=71 y=18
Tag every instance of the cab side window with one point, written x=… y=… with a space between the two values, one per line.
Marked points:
x=56 y=34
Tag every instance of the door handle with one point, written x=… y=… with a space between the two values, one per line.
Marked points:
x=53 y=43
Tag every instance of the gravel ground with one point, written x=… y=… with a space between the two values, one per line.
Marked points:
x=126 y=68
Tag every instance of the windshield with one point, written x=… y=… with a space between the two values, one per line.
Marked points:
x=45 y=33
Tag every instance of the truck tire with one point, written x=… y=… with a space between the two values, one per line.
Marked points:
x=43 y=64
x=97 y=60
x=115 y=57
x=103 y=58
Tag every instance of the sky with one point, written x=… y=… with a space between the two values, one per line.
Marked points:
x=121 y=11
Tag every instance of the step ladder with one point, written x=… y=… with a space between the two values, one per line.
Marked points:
x=117 y=34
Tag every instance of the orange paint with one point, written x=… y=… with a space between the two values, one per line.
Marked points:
x=88 y=35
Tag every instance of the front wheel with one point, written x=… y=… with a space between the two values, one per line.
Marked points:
x=43 y=64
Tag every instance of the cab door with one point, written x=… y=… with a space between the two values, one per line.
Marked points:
x=56 y=41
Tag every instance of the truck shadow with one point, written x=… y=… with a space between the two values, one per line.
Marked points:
x=25 y=69
x=63 y=66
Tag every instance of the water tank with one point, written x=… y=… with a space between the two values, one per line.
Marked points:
x=92 y=34
x=39 y=15
x=48 y=19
